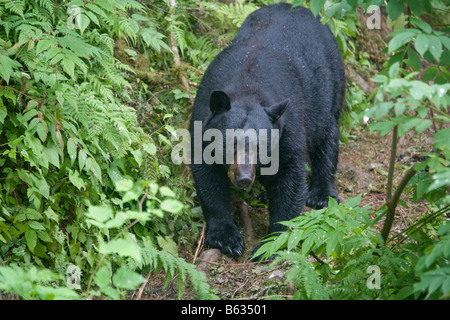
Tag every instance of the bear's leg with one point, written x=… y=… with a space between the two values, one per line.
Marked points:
x=286 y=195
x=323 y=152
x=213 y=190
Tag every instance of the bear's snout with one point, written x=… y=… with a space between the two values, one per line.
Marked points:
x=242 y=175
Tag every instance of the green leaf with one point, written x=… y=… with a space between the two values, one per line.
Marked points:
x=137 y=154
x=297 y=3
x=69 y=67
x=307 y=245
x=420 y=89
x=42 y=186
x=316 y=6
x=425 y=42
x=172 y=205
x=36 y=225
x=383 y=127
x=51 y=153
x=430 y=73
x=7 y=66
x=383 y=109
x=122 y=247
x=399 y=109
x=445 y=289
x=168 y=245
x=332 y=242
x=111 y=292
x=353 y=202
x=408 y=125
x=415 y=6
x=31 y=239
x=96 y=9
x=42 y=129
x=445 y=41
x=82 y=22
x=102 y=277
x=82 y=157
x=166 y=192
x=435 y=46
x=127 y=279
x=150 y=148
x=124 y=185
x=421 y=24
x=72 y=150
x=400 y=39
x=440 y=179
x=421 y=44
x=423 y=125
x=295 y=237
x=394 y=9
x=442 y=140
x=413 y=60
x=44 y=44
x=93 y=167
x=3 y=113
x=78 y=182
x=99 y=213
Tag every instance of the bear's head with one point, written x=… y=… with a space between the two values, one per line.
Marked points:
x=250 y=135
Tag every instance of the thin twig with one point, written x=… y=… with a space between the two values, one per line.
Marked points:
x=200 y=244
x=392 y=203
x=142 y=287
x=176 y=55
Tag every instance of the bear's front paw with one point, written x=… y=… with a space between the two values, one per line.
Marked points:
x=226 y=238
x=319 y=200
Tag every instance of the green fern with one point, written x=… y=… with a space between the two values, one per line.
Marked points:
x=16 y=7
x=308 y=282
x=67 y=131
x=179 y=268
x=236 y=12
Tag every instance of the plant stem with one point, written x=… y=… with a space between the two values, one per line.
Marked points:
x=176 y=55
x=393 y=198
x=392 y=203
x=390 y=179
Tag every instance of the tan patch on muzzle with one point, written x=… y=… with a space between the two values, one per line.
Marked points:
x=242 y=175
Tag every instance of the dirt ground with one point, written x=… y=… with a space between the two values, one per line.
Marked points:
x=362 y=169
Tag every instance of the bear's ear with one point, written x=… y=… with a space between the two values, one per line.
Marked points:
x=276 y=111
x=219 y=102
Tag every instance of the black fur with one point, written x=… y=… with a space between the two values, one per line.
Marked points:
x=283 y=70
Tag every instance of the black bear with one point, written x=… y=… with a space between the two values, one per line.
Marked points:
x=281 y=83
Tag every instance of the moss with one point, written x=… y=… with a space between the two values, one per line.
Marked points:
x=140 y=64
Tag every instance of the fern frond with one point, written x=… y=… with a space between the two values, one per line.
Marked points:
x=309 y=285
x=16 y=7
x=173 y=265
x=47 y=4
x=236 y=12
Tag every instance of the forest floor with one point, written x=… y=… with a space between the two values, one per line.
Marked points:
x=362 y=169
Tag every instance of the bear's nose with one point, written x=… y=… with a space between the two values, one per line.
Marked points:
x=244 y=181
